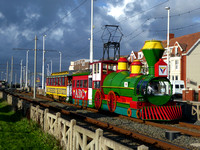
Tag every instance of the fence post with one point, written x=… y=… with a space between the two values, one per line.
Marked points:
x=142 y=147
x=31 y=111
x=56 y=126
x=98 y=134
x=72 y=134
x=20 y=104
x=46 y=120
x=37 y=112
x=1 y=94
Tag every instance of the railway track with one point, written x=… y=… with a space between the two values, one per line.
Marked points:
x=150 y=141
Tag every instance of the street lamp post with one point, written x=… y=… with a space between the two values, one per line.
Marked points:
x=51 y=68
x=26 y=84
x=91 y=38
x=35 y=69
x=168 y=51
x=21 y=75
x=60 y=59
x=43 y=61
x=47 y=69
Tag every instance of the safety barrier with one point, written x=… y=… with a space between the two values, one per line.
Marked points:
x=70 y=135
x=196 y=109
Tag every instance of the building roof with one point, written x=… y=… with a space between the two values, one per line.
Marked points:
x=186 y=41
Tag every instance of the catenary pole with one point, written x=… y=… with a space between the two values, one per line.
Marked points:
x=43 y=61
x=91 y=38
x=26 y=83
x=35 y=63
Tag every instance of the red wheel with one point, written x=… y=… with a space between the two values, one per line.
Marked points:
x=112 y=102
x=129 y=112
x=138 y=114
x=98 y=99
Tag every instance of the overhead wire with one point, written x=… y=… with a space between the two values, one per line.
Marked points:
x=162 y=17
x=67 y=14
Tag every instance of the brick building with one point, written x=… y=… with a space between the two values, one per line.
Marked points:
x=80 y=65
x=184 y=59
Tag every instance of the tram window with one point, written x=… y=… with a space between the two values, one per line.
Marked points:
x=105 y=68
x=81 y=83
x=94 y=68
x=63 y=81
x=60 y=83
x=74 y=83
x=85 y=83
x=54 y=81
x=143 y=87
x=77 y=83
x=90 y=82
x=97 y=68
x=97 y=84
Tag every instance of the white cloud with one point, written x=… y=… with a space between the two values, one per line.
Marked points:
x=66 y=18
x=57 y=34
x=118 y=10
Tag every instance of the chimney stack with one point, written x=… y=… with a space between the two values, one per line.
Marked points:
x=171 y=36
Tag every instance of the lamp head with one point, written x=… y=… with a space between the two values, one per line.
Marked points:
x=167 y=8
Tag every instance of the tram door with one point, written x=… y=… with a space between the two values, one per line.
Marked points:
x=90 y=89
x=69 y=89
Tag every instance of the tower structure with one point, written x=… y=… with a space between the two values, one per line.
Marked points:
x=111 y=38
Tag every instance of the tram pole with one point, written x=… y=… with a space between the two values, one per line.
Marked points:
x=35 y=63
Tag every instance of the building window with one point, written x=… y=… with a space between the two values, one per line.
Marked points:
x=176 y=64
x=83 y=64
x=172 y=65
x=176 y=77
x=176 y=50
x=172 y=77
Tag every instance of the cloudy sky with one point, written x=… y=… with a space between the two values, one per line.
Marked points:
x=66 y=24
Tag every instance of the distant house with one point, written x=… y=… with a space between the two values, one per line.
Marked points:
x=184 y=59
x=79 y=65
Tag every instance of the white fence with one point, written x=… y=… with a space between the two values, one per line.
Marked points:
x=70 y=135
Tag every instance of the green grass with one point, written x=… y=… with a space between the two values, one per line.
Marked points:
x=19 y=133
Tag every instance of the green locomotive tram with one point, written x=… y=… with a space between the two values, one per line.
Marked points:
x=111 y=86
x=133 y=94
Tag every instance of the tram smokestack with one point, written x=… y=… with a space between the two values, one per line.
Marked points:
x=153 y=51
